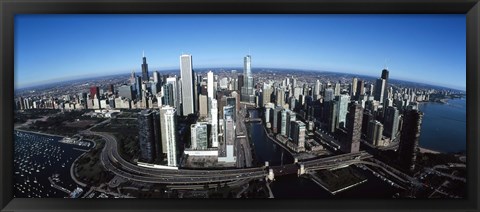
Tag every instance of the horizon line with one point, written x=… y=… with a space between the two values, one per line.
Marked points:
x=81 y=77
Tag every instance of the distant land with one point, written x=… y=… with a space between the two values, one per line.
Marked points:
x=54 y=82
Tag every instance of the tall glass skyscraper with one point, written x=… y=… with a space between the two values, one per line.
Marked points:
x=186 y=71
x=145 y=76
x=247 y=90
x=168 y=123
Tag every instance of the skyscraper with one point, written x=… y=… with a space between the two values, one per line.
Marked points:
x=354 y=128
x=148 y=135
x=380 y=90
x=176 y=100
x=199 y=135
x=156 y=77
x=138 y=87
x=410 y=134
x=186 y=71
x=168 y=123
x=94 y=91
x=342 y=110
x=247 y=90
x=145 y=76
x=214 y=122
x=353 y=90
x=391 y=122
x=126 y=91
x=374 y=135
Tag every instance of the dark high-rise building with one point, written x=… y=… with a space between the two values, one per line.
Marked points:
x=354 y=128
x=168 y=95
x=380 y=88
x=138 y=87
x=94 y=90
x=111 y=89
x=409 y=136
x=240 y=82
x=385 y=77
x=391 y=122
x=149 y=135
x=385 y=74
x=145 y=69
x=360 y=88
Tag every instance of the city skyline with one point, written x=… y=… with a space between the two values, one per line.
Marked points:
x=434 y=55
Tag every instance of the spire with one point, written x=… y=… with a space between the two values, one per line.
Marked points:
x=143 y=53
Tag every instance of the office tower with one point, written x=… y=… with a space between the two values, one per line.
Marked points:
x=354 y=128
x=266 y=94
x=186 y=71
x=154 y=87
x=391 y=120
x=374 y=135
x=360 y=89
x=132 y=78
x=380 y=90
x=318 y=88
x=268 y=114
x=203 y=105
x=353 y=90
x=210 y=91
x=94 y=92
x=280 y=94
x=298 y=135
x=111 y=89
x=145 y=76
x=126 y=91
x=168 y=94
x=232 y=101
x=329 y=95
x=138 y=87
x=199 y=135
x=342 y=109
x=168 y=123
x=283 y=125
x=248 y=90
x=385 y=74
x=330 y=111
x=240 y=82
x=385 y=77
x=229 y=141
x=148 y=135
x=337 y=89
x=214 y=122
x=276 y=123
x=156 y=77
x=409 y=136
x=367 y=117
x=291 y=116
x=175 y=92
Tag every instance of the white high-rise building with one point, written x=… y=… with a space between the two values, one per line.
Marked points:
x=186 y=74
x=168 y=124
x=210 y=91
x=214 y=122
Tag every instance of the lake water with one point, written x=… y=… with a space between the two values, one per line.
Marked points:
x=444 y=126
x=38 y=157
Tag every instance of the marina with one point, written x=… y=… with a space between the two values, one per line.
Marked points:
x=40 y=157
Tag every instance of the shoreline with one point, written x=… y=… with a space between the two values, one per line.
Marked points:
x=425 y=150
x=40 y=133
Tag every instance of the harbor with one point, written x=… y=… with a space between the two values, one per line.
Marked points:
x=41 y=159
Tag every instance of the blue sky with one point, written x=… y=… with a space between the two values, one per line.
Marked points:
x=421 y=48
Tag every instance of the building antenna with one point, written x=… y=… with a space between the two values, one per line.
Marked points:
x=385 y=65
x=143 y=53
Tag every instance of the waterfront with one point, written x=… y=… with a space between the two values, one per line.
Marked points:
x=444 y=126
x=39 y=157
x=291 y=186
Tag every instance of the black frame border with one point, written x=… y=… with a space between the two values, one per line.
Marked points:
x=8 y=9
